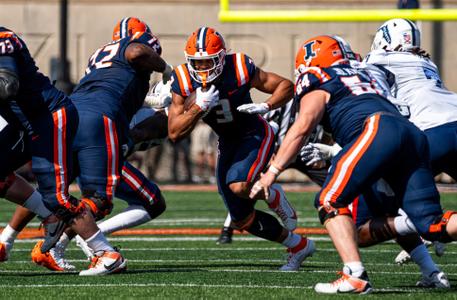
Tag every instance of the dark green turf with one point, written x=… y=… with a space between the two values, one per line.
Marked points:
x=201 y=269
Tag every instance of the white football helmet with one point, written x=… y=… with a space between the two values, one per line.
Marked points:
x=397 y=35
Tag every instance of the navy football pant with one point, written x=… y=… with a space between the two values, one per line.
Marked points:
x=390 y=148
x=442 y=141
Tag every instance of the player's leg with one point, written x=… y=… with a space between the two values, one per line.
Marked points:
x=442 y=142
x=246 y=217
x=249 y=160
x=145 y=203
x=99 y=173
x=357 y=166
x=227 y=231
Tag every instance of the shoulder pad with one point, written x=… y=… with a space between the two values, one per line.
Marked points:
x=9 y=42
x=181 y=81
x=244 y=68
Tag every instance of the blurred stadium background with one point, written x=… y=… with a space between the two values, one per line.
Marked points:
x=70 y=30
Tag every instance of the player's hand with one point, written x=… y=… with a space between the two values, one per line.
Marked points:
x=159 y=96
x=316 y=152
x=254 y=108
x=166 y=74
x=263 y=184
x=207 y=99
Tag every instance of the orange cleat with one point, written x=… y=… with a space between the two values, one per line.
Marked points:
x=4 y=252
x=50 y=260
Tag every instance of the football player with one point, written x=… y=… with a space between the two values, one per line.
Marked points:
x=215 y=86
x=414 y=79
x=53 y=119
x=107 y=97
x=377 y=142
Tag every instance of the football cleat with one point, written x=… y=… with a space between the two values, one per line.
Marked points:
x=108 y=263
x=283 y=209
x=53 y=260
x=436 y=280
x=53 y=229
x=346 y=284
x=402 y=258
x=226 y=236
x=5 y=251
x=84 y=247
x=298 y=254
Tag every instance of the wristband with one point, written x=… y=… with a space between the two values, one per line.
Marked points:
x=274 y=170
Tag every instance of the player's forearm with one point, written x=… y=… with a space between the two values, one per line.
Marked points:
x=183 y=124
x=292 y=143
x=282 y=94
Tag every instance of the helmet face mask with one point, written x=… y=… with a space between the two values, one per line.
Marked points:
x=205 y=54
x=397 y=35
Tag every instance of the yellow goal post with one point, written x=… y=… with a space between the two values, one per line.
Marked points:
x=332 y=15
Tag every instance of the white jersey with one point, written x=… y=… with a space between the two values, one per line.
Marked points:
x=418 y=84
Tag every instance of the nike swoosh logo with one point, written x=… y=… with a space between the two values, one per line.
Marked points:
x=113 y=266
x=232 y=92
x=57 y=230
x=261 y=226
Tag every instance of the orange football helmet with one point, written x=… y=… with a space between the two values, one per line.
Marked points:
x=129 y=26
x=323 y=51
x=205 y=44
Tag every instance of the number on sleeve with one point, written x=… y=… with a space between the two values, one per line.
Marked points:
x=6 y=47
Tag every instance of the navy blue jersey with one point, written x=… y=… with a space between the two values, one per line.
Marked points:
x=353 y=98
x=234 y=86
x=36 y=94
x=111 y=86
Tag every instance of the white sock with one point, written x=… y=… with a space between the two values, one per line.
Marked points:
x=98 y=243
x=228 y=221
x=423 y=259
x=8 y=235
x=403 y=225
x=292 y=240
x=63 y=242
x=133 y=215
x=354 y=268
x=35 y=204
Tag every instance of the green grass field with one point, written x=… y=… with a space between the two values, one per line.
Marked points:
x=184 y=266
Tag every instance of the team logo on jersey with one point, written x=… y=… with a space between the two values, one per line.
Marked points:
x=386 y=34
x=309 y=51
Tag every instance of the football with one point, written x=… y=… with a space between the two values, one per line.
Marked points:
x=190 y=101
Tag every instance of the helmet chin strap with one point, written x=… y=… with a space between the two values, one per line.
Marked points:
x=204 y=83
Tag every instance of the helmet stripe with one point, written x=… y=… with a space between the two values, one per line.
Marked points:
x=413 y=31
x=201 y=39
x=124 y=27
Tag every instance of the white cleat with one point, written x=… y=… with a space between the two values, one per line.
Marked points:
x=283 y=209
x=402 y=258
x=346 y=284
x=84 y=247
x=298 y=254
x=436 y=280
x=108 y=263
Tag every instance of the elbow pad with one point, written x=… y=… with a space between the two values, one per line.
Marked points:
x=9 y=84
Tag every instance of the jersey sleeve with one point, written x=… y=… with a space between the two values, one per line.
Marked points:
x=377 y=57
x=147 y=39
x=244 y=68
x=309 y=80
x=181 y=81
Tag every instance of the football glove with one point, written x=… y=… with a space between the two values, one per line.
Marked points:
x=207 y=99
x=315 y=152
x=159 y=96
x=254 y=108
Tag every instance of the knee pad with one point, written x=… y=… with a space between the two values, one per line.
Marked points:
x=99 y=205
x=6 y=183
x=328 y=212
x=157 y=208
x=437 y=230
